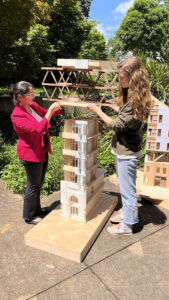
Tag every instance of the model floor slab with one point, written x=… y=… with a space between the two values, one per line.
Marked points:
x=70 y=238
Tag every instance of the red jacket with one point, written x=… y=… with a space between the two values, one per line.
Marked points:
x=30 y=146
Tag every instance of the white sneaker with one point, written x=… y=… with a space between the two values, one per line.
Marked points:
x=120 y=229
x=117 y=217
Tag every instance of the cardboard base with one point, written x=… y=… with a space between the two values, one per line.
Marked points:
x=70 y=238
x=154 y=194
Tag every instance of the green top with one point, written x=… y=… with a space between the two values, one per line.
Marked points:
x=127 y=136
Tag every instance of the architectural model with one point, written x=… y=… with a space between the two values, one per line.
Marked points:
x=78 y=81
x=83 y=180
x=71 y=230
x=156 y=167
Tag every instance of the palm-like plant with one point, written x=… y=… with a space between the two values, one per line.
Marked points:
x=158 y=72
x=159 y=80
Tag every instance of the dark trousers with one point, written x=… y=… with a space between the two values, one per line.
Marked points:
x=35 y=176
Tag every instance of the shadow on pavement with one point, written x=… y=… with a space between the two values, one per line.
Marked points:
x=147 y=213
x=55 y=205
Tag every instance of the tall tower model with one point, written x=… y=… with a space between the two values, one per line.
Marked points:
x=156 y=167
x=83 y=180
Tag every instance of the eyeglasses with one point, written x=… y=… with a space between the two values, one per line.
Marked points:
x=29 y=94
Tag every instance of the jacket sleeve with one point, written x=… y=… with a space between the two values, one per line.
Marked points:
x=58 y=112
x=125 y=121
x=42 y=111
x=22 y=123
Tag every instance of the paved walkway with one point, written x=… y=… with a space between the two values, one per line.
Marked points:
x=116 y=268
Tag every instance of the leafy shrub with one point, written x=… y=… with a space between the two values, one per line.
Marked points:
x=158 y=73
x=14 y=175
x=144 y=136
x=105 y=157
x=56 y=125
x=7 y=132
x=54 y=173
x=4 y=91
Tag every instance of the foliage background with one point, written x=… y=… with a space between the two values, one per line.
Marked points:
x=56 y=29
x=34 y=33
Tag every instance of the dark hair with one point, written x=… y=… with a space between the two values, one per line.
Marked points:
x=19 y=88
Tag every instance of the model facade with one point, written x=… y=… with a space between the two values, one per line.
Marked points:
x=156 y=167
x=83 y=180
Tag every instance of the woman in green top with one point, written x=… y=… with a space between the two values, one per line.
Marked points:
x=134 y=103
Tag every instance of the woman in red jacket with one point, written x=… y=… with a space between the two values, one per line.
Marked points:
x=31 y=123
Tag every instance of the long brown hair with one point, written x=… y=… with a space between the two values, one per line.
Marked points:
x=139 y=93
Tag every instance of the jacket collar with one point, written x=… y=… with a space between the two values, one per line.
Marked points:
x=21 y=111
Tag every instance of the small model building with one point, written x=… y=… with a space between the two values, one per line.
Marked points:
x=156 y=168
x=83 y=180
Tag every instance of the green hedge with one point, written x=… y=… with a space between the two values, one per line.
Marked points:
x=105 y=157
x=14 y=175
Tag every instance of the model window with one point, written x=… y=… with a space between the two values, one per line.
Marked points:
x=74 y=210
x=158 y=170
x=147 y=180
x=160 y=119
x=150 y=132
x=151 y=118
x=164 y=170
x=168 y=146
x=74 y=145
x=160 y=181
x=148 y=145
x=158 y=146
x=73 y=177
x=148 y=168
x=75 y=129
x=73 y=199
x=149 y=156
x=74 y=162
x=159 y=132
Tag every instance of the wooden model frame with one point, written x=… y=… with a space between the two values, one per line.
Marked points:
x=83 y=181
x=77 y=86
x=156 y=167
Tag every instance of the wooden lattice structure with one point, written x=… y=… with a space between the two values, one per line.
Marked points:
x=156 y=167
x=77 y=83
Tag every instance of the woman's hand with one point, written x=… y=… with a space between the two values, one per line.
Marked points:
x=54 y=107
x=93 y=108
x=96 y=110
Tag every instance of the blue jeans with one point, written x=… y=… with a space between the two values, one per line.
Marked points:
x=126 y=170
